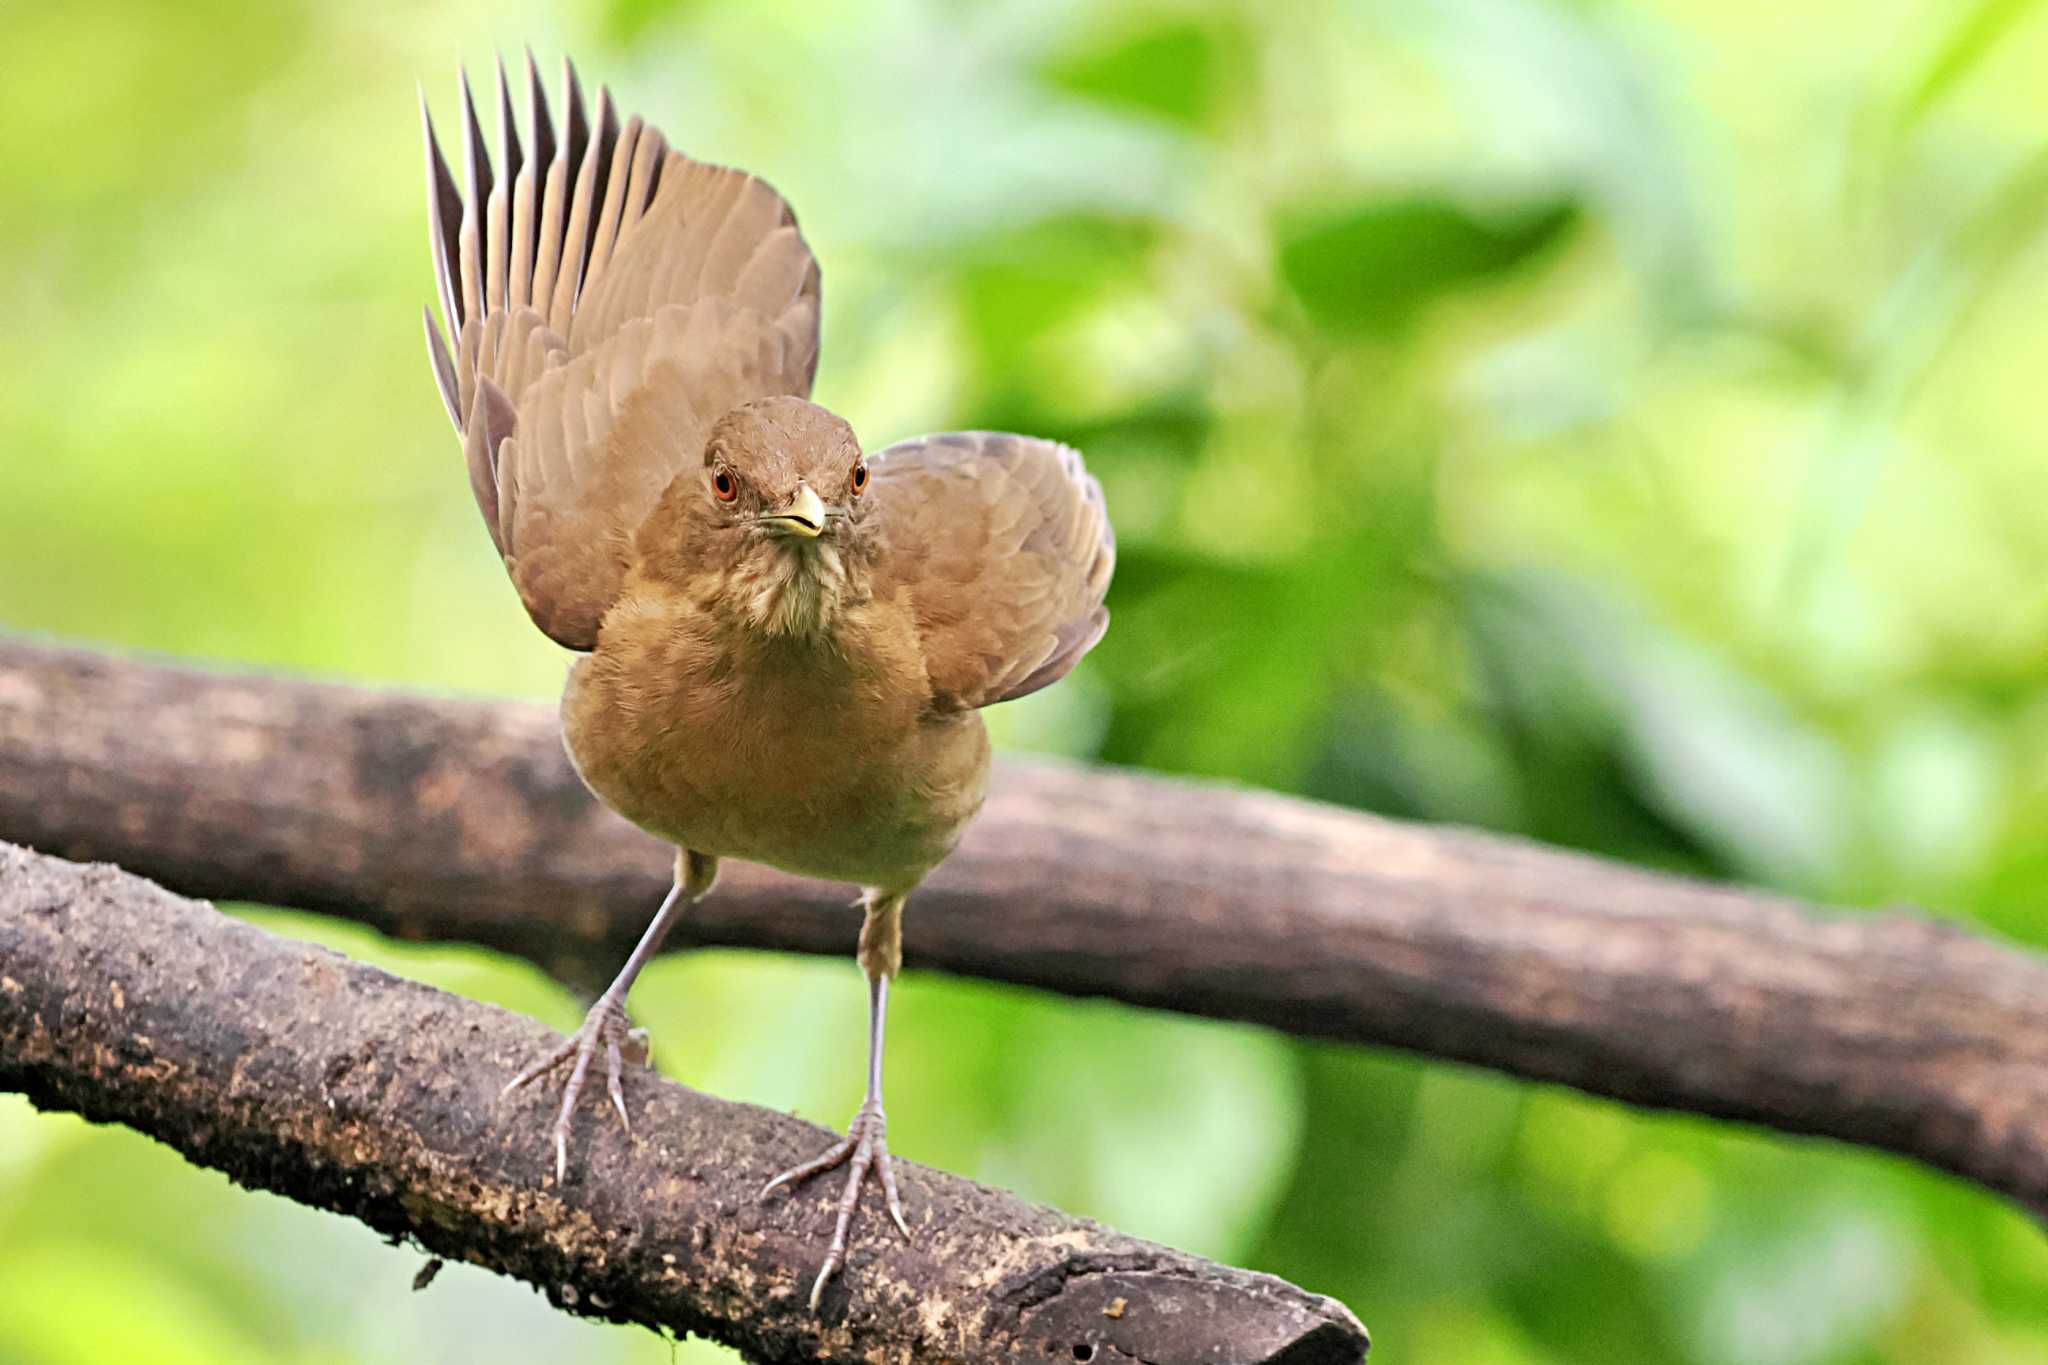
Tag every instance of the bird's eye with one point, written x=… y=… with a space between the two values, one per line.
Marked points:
x=860 y=478
x=723 y=486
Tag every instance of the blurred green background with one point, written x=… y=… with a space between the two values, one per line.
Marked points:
x=1615 y=423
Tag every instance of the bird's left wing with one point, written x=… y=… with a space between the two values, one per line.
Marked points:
x=1004 y=549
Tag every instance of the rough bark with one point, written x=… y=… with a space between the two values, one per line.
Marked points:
x=293 y=1069
x=440 y=818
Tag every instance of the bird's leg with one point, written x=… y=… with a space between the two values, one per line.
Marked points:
x=605 y=1026
x=864 y=1148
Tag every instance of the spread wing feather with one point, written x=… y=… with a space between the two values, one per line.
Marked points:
x=1004 y=547
x=605 y=300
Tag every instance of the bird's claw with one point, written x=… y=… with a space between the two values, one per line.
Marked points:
x=865 y=1147
x=604 y=1027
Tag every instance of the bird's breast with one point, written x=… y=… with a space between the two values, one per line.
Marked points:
x=817 y=755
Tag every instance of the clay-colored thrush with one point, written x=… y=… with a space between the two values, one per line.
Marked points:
x=783 y=642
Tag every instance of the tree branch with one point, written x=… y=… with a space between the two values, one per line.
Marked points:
x=437 y=818
x=293 y=1069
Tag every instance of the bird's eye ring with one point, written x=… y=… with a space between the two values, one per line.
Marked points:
x=723 y=486
x=860 y=478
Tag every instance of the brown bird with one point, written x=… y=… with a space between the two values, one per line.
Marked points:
x=783 y=642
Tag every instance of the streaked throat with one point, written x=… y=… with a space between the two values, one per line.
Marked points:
x=792 y=586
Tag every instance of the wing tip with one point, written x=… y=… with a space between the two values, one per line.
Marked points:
x=540 y=118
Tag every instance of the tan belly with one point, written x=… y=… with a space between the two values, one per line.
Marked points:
x=802 y=763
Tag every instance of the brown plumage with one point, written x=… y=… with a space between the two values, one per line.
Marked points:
x=785 y=642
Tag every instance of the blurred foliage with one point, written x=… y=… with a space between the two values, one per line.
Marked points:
x=1609 y=423
x=1380 y=265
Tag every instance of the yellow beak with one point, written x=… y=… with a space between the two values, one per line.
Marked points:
x=805 y=515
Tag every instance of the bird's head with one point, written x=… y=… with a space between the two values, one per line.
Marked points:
x=778 y=511
x=785 y=470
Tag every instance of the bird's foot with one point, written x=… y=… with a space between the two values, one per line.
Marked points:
x=863 y=1149
x=604 y=1028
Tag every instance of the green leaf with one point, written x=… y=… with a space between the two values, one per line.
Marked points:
x=1374 y=266
x=1174 y=72
x=1974 y=38
x=625 y=21
x=1019 y=284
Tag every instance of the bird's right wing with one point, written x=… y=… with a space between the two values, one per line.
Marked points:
x=608 y=300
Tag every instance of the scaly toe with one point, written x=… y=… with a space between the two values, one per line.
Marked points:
x=889 y=1194
x=833 y=1156
x=540 y=1068
x=603 y=1028
x=613 y=1087
x=863 y=1150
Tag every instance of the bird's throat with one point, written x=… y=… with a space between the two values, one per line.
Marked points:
x=790 y=587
